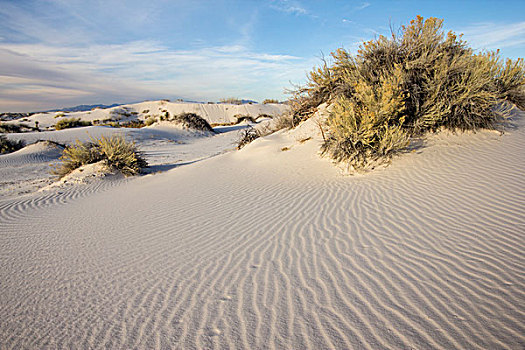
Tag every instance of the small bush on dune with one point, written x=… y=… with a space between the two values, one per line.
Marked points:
x=115 y=151
x=240 y=118
x=248 y=135
x=8 y=146
x=150 y=121
x=404 y=86
x=285 y=121
x=136 y=124
x=71 y=123
x=193 y=121
x=270 y=100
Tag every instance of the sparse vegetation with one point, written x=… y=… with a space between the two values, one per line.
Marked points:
x=15 y=128
x=231 y=100
x=71 y=123
x=115 y=151
x=8 y=146
x=404 y=86
x=136 y=124
x=269 y=100
x=248 y=135
x=285 y=121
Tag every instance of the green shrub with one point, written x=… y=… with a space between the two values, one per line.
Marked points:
x=71 y=123
x=115 y=151
x=404 y=86
x=8 y=146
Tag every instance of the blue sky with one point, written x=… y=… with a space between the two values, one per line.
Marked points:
x=57 y=53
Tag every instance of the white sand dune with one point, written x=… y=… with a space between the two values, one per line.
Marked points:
x=165 y=146
x=272 y=248
x=213 y=113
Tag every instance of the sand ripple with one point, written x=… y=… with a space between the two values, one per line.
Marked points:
x=427 y=254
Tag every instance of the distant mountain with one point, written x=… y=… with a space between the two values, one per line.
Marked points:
x=83 y=108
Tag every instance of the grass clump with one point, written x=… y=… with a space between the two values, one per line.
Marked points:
x=115 y=151
x=8 y=146
x=404 y=86
x=71 y=123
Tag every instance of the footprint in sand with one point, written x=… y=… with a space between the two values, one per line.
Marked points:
x=213 y=332
x=226 y=298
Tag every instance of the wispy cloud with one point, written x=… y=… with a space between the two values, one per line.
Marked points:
x=492 y=36
x=289 y=6
x=139 y=70
x=363 y=6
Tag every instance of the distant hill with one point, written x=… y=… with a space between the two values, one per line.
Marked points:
x=83 y=108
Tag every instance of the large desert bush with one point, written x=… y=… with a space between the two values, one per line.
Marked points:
x=71 y=123
x=403 y=86
x=8 y=146
x=115 y=151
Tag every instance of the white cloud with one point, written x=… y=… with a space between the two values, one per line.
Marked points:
x=141 y=70
x=492 y=36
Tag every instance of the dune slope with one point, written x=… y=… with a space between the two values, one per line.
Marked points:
x=271 y=248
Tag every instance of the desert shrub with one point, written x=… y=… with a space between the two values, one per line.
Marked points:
x=270 y=100
x=113 y=124
x=403 y=86
x=193 y=121
x=71 y=123
x=77 y=155
x=115 y=151
x=231 y=100
x=8 y=146
x=15 y=128
x=240 y=118
x=150 y=121
x=246 y=136
x=285 y=121
x=133 y=124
